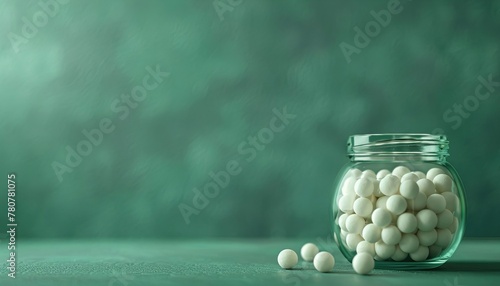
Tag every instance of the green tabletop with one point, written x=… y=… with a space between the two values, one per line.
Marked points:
x=225 y=262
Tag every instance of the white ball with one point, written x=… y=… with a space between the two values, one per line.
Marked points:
x=371 y=233
x=454 y=225
x=445 y=219
x=409 y=189
x=409 y=243
x=420 y=254
x=363 y=207
x=287 y=259
x=363 y=187
x=368 y=174
x=342 y=220
x=356 y=173
x=365 y=246
x=426 y=220
x=348 y=186
x=432 y=173
x=444 y=237
x=346 y=203
x=381 y=217
x=363 y=263
x=391 y=235
x=443 y=183
x=399 y=171
x=426 y=186
x=324 y=262
x=384 y=251
x=409 y=176
x=389 y=185
x=434 y=251
x=399 y=255
x=436 y=203
x=427 y=238
x=407 y=223
x=355 y=223
x=417 y=203
x=381 y=202
x=396 y=204
x=451 y=201
x=352 y=240
x=382 y=173
x=419 y=174
x=308 y=251
x=376 y=189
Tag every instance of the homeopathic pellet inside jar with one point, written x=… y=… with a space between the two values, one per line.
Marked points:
x=399 y=200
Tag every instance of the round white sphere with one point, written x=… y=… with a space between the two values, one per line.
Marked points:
x=342 y=220
x=381 y=217
x=368 y=174
x=371 y=233
x=426 y=220
x=417 y=203
x=324 y=262
x=383 y=250
x=426 y=186
x=409 y=176
x=363 y=207
x=363 y=187
x=445 y=219
x=427 y=238
x=355 y=173
x=381 y=202
x=400 y=171
x=396 y=204
x=407 y=223
x=399 y=255
x=389 y=185
x=365 y=246
x=308 y=251
x=451 y=201
x=346 y=203
x=409 y=189
x=443 y=183
x=363 y=263
x=354 y=223
x=409 y=243
x=432 y=173
x=436 y=203
x=391 y=235
x=419 y=174
x=444 y=237
x=382 y=173
x=420 y=254
x=352 y=241
x=454 y=225
x=287 y=258
x=348 y=186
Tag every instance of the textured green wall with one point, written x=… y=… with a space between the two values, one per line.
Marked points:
x=227 y=70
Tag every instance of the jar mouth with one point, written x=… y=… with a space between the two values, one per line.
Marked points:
x=425 y=146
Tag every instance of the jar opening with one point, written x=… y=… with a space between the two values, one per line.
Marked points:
x=403 y=146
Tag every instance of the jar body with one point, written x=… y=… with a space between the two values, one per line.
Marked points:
x=426 y=214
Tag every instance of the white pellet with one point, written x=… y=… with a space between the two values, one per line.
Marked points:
x=346 y=203
x=342 y=220
x=382 y=173
x=409 y=176
x=432 y=173
x=445 y=219
x=376 y=189
x=417 y=203
x=399 y=255
x=426 y=220
x=381 y=217
x=287 y=259
x=436 y=203
x=407 y=223
x=409 y=243
x=389 y=185
x=381 y=202
x=352 y=241
x=363 y=263
x=409 y=189
x=354 y=223
x=444 y=237
x=348 y=186
x=443 y=183
x=396 y=204
x=365 y=246
x=451 y=201
x=363 y=187
x=426 y=186
x=399 y=171
x=454 y=225
x=384 y=250
x=391 y=235
x=427 y=238
x=363 y=207
x=324 y=262
x=356 y=173
x=420 y=254
x=434 y=251
x=368 y=174
x=371 y=233
x=419 y=174
x=308 y=251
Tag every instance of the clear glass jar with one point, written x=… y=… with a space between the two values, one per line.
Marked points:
x=399 y=200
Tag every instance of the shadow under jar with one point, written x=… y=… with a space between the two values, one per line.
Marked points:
x=399 y=200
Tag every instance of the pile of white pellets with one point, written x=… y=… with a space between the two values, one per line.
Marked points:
x=323 y=261
x=399 y=215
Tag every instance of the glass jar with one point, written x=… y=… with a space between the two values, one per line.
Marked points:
x=399 y=200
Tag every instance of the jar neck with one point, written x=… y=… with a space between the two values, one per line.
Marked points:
x=398 y=147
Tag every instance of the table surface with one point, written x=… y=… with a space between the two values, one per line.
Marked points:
x=225 y=262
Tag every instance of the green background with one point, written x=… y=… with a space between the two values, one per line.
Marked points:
x=226 y=75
